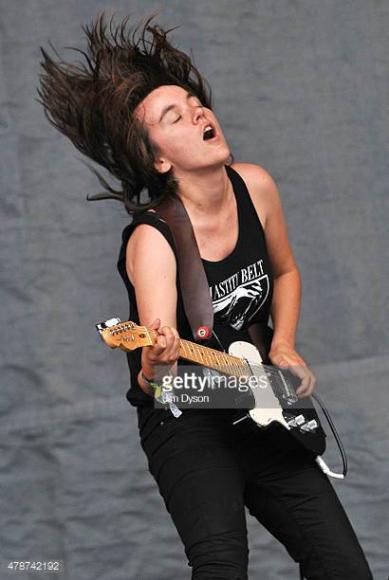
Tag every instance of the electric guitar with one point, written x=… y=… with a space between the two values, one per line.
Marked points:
x=273 y=396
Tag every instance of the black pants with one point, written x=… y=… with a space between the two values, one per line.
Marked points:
x=207 y=470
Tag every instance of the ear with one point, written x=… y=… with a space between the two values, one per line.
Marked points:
x=162 y=165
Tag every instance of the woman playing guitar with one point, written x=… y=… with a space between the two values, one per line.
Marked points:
x=142 y=110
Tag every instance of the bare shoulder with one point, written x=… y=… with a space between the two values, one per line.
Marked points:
x=256 y=175
x=146 y=235
x=261 y=186
x=148 y=248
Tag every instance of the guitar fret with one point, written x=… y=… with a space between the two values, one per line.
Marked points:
x=196 y=353
x=211 y=358
x=226 y=364
x=237 y=369
x=183 y=347
x=202 y=354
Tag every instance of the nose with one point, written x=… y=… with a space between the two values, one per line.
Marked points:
x=198 y=113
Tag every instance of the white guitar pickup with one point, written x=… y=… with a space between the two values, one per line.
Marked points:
x=310 y=426
x=297 y=421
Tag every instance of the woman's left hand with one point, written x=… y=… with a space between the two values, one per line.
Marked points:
x=283 y=355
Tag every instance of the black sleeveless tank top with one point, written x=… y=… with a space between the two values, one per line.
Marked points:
x=241 y=284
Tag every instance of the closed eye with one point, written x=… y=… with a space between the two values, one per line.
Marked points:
x=178 y=118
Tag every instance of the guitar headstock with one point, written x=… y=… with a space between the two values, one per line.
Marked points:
x=124 y=335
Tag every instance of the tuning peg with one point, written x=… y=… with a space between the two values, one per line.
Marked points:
x=100 y=326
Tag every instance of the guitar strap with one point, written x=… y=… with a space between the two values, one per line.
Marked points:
x=193 y=280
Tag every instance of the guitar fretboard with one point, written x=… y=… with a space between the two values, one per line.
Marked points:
x=211 y=358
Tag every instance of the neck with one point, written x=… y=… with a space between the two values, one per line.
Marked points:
x=205 y=191
x=211 y=358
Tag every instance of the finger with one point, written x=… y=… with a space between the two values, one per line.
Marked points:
x=157 y=349
x=312 y=384
x=175 y=332
x=280 y=361
x=303 y=374
x=172 y=344
x=176 y=345
x=283 y=360
x=299 y=371
x=307 y=385
x=163 y=352
x=161 y=343
x=283 y=363
x=295 y=361
x=303 y=388
x=169 y=332
x=155 y=324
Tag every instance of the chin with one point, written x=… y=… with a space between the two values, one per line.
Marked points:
x=224 y=157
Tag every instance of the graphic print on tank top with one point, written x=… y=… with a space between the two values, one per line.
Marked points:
x=239 y=297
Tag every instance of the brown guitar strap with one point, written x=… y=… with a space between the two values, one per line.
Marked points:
x=193 y=281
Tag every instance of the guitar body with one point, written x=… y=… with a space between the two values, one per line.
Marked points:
x=270 y=402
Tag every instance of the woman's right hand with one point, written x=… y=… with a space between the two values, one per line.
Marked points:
x=165 y=352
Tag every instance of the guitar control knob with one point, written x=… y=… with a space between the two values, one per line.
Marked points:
x=290 y=399
x=310 y=426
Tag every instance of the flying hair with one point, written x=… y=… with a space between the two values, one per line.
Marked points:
x=92 y=102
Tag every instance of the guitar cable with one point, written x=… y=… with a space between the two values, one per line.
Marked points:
x=319 y=460
x=218 y=341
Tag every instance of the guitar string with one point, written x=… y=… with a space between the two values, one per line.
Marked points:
x=243 y=364
x=230 y=363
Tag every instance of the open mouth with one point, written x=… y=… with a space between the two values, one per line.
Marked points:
x=209 y=133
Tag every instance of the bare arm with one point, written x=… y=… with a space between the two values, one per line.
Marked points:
x=151 y=267
x=285 y=310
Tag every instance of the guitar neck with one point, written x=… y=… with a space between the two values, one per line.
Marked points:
x=209 y=357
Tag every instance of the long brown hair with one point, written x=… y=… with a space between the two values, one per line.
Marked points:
x=91 y=102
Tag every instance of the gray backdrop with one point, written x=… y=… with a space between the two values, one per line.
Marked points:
x=300 y=87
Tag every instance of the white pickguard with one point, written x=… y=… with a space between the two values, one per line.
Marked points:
x=267 y=406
